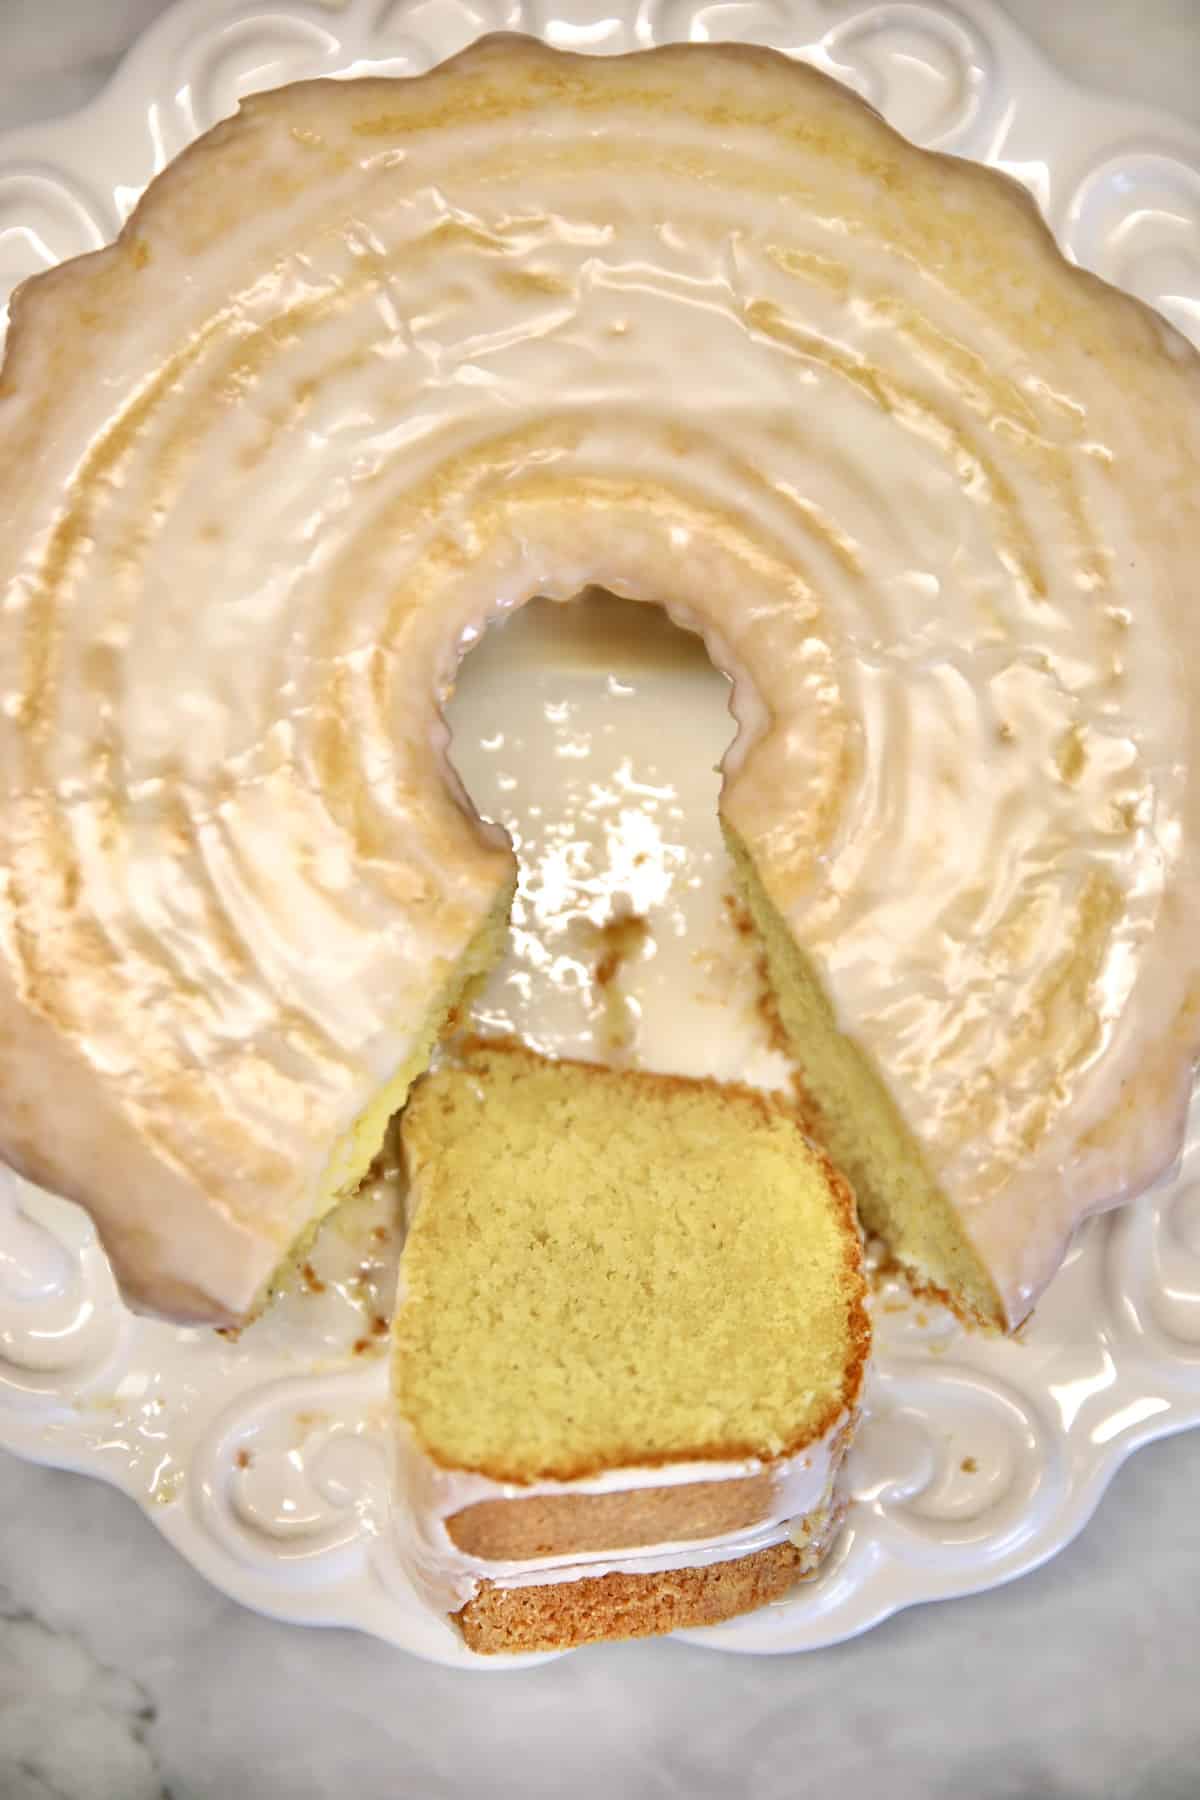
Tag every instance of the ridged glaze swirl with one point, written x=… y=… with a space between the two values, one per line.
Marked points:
x=379 y=359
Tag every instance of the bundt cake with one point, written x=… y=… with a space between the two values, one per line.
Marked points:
x=377 y=360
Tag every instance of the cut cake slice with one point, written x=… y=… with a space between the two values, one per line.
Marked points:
x=629 y=1349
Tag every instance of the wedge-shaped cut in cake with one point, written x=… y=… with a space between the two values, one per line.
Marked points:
x=628 y=1354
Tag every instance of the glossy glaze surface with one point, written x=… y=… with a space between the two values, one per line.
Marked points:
x=481 y=337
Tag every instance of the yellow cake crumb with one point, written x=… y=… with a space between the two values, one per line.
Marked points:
x=609 y=1267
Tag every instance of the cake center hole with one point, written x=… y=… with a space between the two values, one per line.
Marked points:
x=593 y=733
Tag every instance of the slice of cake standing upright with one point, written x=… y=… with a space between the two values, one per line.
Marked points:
x=628 y=1354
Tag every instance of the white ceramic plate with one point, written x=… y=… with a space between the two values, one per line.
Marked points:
x=265 y=1458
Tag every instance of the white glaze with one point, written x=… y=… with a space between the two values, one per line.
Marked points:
x=859 y=473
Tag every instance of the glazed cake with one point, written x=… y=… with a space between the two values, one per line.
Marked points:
x=628 y=1353
x=375 y=362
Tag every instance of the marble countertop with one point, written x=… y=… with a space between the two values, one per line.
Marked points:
x=124 y=1677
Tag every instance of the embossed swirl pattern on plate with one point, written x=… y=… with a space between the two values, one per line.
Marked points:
x=1135 y=219
x=62 y=1324
x=954 y=1465
x=962 y=1474
x=1153 y=1271
x=928 y=69
x=233 y=58
x=293 y=1476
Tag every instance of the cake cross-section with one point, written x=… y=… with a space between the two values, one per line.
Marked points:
x=628 y=1351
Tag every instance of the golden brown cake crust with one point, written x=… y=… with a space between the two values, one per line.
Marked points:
x=620 y=1605
x=568 y=1524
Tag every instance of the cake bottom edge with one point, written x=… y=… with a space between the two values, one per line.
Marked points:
x=625 y=1604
